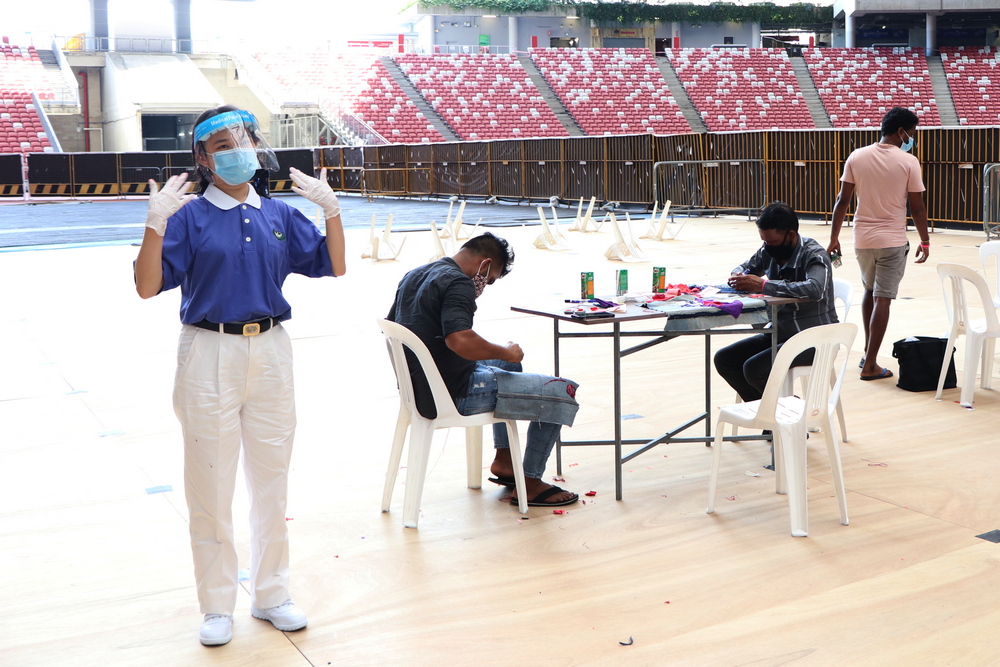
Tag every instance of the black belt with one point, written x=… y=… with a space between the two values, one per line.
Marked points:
x=239 y=328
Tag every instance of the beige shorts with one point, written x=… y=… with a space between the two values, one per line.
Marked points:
x=882 y=269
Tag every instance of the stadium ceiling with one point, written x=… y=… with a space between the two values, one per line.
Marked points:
x=904 y=20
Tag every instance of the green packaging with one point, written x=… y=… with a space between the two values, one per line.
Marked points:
x=621 y=279
x=659 y=279
x=587 y=285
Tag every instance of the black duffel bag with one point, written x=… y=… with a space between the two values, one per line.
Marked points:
x=920 y=359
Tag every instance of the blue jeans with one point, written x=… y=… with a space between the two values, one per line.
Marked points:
x=482 y=397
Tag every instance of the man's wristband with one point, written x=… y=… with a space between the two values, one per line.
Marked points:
x=925 y=244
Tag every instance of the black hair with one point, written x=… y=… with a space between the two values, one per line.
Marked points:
x=494 y=248
x=259 y=181
x=780 y=216
x=898 y=118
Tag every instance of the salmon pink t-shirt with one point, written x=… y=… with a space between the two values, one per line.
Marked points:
x=882 y=175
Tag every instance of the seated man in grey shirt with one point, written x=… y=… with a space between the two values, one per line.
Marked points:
x=788 y=265
x=437 y=302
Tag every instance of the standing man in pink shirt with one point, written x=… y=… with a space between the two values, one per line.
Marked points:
x=885 y=178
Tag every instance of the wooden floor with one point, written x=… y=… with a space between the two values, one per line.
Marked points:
x=95 y=554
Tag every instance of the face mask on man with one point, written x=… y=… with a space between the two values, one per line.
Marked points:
x=908 y=144
x=479 y=281
x=781 y=252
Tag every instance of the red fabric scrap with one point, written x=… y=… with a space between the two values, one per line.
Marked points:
x=590 y=493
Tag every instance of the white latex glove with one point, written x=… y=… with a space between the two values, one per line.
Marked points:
x=164 y=203
x=316 y=190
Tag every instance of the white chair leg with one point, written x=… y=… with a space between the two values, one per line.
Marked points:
x=517 y=458
x=944 y=365
x=840 y=418
x=780 y=465
x=421 y=436
x=792 y=442
x=474 y=456
x=833 y=451
x=989 y=351
x=716 y=460
x=395 y=455
x=973 y=350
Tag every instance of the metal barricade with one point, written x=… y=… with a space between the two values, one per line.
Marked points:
x=991 y=200
x=711 y=185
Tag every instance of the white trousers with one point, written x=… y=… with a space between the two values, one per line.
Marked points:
x=232 y=390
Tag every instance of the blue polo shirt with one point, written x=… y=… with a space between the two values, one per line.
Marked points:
x=230 y=259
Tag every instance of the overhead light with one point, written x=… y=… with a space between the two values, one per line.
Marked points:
x=572 y=17
x=489 y=16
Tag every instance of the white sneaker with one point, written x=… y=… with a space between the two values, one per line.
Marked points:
x=286 y=617
x=216 y=630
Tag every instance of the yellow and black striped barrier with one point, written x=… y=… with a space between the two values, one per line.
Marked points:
x=12 y=190
x=58 y=189
x=96 y=188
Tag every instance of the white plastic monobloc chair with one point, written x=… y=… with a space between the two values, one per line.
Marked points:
x=980 y=334
x=843 y=291
x=422 y=429
x=788 y=417
x=989 y=253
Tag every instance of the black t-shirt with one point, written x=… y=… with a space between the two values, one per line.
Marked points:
x=434 y=301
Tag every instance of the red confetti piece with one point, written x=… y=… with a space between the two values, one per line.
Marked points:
x=288 y=518
x=667 y=602
x=590 y=493
x=732 y=497
x=558 y=479
x=573 y=464
x=876 y=464
x=558 y=511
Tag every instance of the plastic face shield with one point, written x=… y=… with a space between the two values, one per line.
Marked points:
x=235 y=130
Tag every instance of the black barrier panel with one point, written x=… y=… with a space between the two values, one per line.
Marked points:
x=583 y=148
x=630 y=181
x=582 y=178
x=979 y=145
x=10 y=169
x=805 y=145
x=808 y=187
x=372 y=181
x=138 y=168
x=446 y=152
x=740 y=185
x=335 y=177
x=445 y=178
x=542 y=179
x=507 y=151
x=630 y=148
x=391 y=155
x=419 y=179
x=370 y=154
x=474 y=178
x=179 y=162
x=734 y=146
x=419 y=153
x=505 y=179
x=353 y=157
x=330 y=158
x=473 y=152
x=849 y=140
x=95 y=168
x=351 y=180
x=548 y=150
x=300 y=158
x=394 y=180
x=954 y=193
x=677 y=147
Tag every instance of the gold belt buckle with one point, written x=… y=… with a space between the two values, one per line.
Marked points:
x=251 y=329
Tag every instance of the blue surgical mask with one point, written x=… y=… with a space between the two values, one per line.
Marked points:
x=236 y=166
x=908 y=144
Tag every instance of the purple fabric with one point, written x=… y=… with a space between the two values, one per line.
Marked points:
x=733 y=308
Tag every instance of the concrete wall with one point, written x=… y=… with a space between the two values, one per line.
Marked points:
x=122 y=127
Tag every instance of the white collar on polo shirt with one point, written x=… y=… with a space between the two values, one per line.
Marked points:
x=220 y=199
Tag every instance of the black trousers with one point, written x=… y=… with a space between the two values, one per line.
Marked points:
x=746 y=364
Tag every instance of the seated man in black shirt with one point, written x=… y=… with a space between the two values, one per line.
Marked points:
x=789 y=265
x=437 y=302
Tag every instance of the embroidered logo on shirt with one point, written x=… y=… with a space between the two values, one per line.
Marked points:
x=279 y=235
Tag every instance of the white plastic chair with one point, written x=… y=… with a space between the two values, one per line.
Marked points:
x=980 y=334
x=788 y=417
x=989 y=253
x=843 y=291
x=422 y=429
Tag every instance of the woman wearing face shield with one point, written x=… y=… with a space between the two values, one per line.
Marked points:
x=230 y=249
